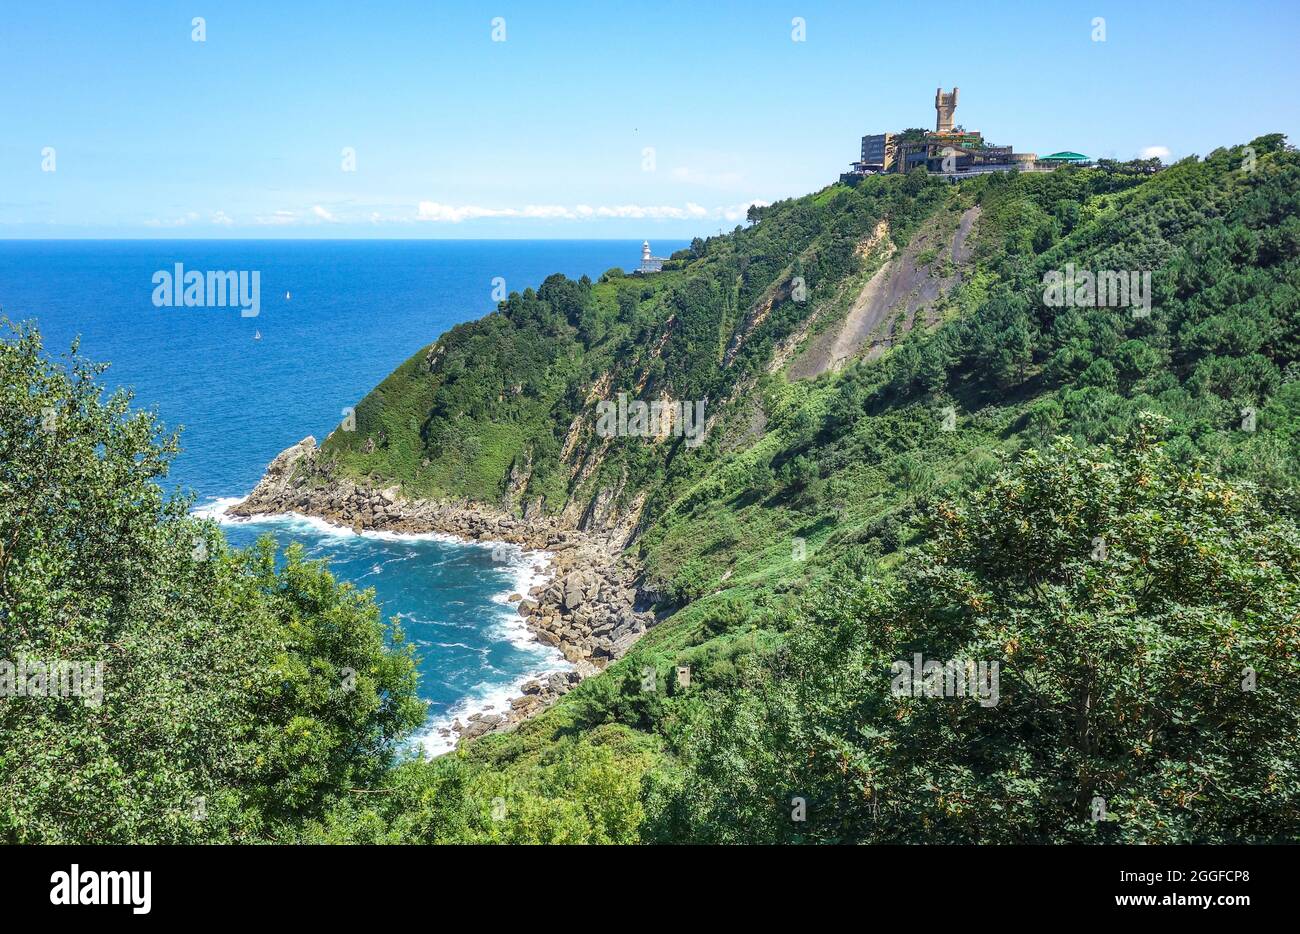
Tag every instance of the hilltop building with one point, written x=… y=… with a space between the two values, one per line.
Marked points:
x=950 y=150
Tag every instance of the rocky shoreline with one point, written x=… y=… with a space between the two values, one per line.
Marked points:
x=586 y=609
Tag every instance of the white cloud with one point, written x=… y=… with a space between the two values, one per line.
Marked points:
x=455 y=214
x=433 y=211
x=653 y=212
x=1155 y=152
x=437 y=212
x=738 y=212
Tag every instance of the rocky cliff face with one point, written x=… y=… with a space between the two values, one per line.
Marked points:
x=587 y=610
x=299 y=481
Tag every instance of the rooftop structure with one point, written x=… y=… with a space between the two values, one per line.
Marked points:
x=1066 y=158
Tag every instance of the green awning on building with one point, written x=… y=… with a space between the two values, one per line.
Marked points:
x=1064 y=157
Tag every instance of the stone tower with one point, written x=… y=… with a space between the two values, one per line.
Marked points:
x=944 y=105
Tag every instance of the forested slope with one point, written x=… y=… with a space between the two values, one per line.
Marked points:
x=1100 y=499
x=945 y=494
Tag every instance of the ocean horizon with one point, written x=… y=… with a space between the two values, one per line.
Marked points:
x=335 y=318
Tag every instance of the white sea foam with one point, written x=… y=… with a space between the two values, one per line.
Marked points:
x=529 y=570
x=484 y=697
x=217 y=510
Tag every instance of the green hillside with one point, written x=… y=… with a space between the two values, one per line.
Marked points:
x=944 y=485
x=908 y=450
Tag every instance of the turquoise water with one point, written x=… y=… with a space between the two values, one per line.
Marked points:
x=335 y=318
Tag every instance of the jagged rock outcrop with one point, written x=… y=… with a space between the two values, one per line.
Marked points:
x=517 y=483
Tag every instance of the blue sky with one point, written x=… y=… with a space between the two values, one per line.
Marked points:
x=545 y=134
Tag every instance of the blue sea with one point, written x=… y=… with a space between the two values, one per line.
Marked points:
x=335 y=318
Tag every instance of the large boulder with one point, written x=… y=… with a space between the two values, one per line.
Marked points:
x=574 y=591
x=623 y=643
x=478 y=725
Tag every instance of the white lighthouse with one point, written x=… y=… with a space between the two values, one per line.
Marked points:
x=649 y=262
